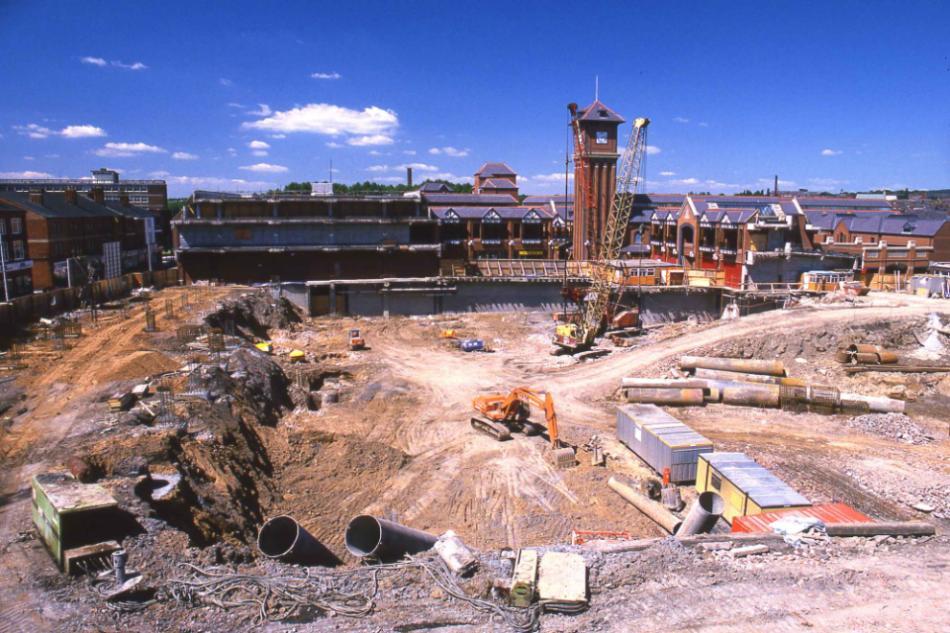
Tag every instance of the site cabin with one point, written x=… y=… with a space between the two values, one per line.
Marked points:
x=74 y=520
x=745 y=486
x=661 y=440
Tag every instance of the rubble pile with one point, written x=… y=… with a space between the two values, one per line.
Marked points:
x=254 y=314
x=896 y=426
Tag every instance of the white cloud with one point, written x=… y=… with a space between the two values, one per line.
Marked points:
x=332 y=75
x=224 y=81
x=685 y=181
x=258 y=145
x=827 y=182
x=132 y=66
x=24 y=174
x=554 y=177
x=232 y=151
x=667 y=173
x=34 y=131
x=830 y=152
x=449 y=176
x=179 y=185
x=259 y=152
x=418 y=166
x=82 y=131
x=653 y=149
x=370 y=126
x=680 y=119
x=265 y=168
x=375 y=152
x=278 y=136
x=334 y=145
x=124 y=150
x=449 y=151
x=369 y=140
x=101 y=63
x=409 y=152
x=703 y=124
x=184 y=156
x=234 y=104
x=415 y=166
x=28 y=158
x=262 y=110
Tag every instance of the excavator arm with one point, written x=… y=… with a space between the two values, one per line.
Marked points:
x=513 y=408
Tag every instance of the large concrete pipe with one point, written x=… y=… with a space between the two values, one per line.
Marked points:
x=680 y=397
x=752 y=395
x=720 y=374
x=371 y=537
x=875 y=404
x=704 y=513
x=660 y=515
x=745 y=365
x=282 y=537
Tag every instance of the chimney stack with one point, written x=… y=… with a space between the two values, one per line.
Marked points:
x=70 y=195
x=776 y=185
x=36 y=196
x=98 y=194
x=409 y=176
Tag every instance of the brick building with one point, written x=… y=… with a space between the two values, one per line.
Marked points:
x=742 y=239
x=595 y=172
x=884 y=242
x=16 y=265
x=67 y=225
x=496 y=178
x=469 y=233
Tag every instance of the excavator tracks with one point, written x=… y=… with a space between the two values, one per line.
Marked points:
x=493 y=429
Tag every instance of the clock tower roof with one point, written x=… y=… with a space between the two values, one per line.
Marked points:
x=597 y=111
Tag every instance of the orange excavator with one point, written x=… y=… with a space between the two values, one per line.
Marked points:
x=501 y=414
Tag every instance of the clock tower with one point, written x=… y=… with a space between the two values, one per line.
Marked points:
x=595 y=174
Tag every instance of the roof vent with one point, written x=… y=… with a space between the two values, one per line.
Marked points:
x=909 y=226
x=602 y=113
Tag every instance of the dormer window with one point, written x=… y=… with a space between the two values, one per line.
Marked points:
x=602 y=114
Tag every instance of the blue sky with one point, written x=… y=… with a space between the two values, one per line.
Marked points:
x=828 y=95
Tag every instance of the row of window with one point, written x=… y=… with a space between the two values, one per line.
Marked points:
x=13 y=250
x=15 y=226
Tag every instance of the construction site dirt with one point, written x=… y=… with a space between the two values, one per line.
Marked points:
x=323 y=436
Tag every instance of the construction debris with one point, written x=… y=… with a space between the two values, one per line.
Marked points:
x=562 y=582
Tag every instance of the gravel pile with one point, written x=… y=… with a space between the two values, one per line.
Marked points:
x=896 y=426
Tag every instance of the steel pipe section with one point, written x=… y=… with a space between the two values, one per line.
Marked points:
x=752 y=395
x=681 y=397
x=283 y=538
x=371 y=537
x=703 y=514
x=875 y=404
x=744 y=365
x=735 y=376
x=660 y=515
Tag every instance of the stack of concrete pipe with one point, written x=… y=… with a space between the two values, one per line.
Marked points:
x=755 y=383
